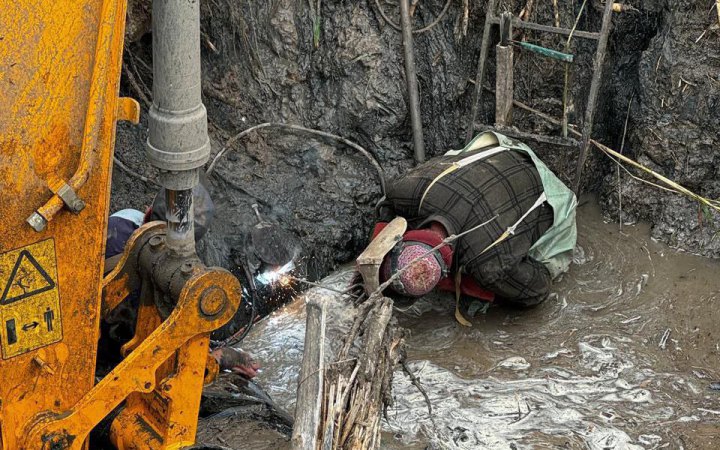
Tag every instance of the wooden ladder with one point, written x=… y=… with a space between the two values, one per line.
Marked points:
x=504 y=80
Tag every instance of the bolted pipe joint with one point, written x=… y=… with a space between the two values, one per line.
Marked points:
x=178 y=142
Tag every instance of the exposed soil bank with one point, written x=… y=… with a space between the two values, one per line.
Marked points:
x=267 y=61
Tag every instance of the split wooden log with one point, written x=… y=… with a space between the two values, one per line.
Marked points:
x=355 y=388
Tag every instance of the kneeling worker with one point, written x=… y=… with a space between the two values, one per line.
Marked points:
x=517 y=216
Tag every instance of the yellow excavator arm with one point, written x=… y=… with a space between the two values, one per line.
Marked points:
x=60 y=65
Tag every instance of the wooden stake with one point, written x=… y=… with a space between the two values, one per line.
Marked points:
x=310 y=386
x=504 y=79
x=594 y=89
x=504 y=85
x=411 y=79
x=477 y=95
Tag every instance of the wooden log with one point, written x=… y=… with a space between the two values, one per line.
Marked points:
x=311 y=382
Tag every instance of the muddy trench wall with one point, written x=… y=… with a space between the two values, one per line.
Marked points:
x=340 y=69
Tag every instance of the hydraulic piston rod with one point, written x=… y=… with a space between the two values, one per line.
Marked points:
x=178 y=143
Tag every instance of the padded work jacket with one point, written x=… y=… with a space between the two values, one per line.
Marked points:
x=499 y=180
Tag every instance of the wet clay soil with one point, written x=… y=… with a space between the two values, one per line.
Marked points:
x=620 y=357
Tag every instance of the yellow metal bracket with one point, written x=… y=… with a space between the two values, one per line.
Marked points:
x=128 y=109
x=186 y=331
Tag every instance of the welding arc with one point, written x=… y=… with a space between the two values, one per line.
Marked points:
x=353 y=145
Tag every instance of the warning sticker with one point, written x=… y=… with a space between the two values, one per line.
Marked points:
x=29 y=299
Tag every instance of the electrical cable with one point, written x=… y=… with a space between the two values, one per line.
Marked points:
x=353 y=145
x=420 y=30
x=242 y=333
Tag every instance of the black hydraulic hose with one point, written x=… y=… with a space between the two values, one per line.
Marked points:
x=243 y=332
x=353 y=145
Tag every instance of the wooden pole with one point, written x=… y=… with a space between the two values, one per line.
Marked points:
x=504 y=79
x=477 y=95
x=594 y=89
x=411 y=79
x=310 y=384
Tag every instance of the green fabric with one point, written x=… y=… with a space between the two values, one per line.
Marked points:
x=554 y=248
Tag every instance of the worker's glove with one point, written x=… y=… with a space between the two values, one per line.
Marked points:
x=236 y=361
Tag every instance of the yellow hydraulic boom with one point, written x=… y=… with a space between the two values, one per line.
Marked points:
x=60 y=67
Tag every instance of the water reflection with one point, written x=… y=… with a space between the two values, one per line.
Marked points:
x=620 y=357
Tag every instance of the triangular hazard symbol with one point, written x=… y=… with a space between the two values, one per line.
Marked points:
x=27 y=278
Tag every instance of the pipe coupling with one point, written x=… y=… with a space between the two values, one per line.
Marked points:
x=178 y=140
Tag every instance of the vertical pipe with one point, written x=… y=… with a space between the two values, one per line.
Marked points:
x=180 y=221
x=178 y=143
x=411 y=78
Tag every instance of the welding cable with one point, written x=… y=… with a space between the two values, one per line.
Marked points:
x=353 y=145
x=419 y=30
x=242 y=333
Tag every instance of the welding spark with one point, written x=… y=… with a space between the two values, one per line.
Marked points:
x=276 y=275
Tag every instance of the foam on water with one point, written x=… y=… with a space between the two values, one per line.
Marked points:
x=586 y=369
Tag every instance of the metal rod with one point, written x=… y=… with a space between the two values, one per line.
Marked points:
x=411 y=78
x=477 y=95
x=594 y=88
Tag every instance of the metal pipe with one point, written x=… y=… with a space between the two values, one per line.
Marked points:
x=411 y=78
x=178 y=143
x=180 y=221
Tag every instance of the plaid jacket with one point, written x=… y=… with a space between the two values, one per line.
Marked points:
x=505 y=185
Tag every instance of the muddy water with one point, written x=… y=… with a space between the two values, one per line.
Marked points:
x=620 y=357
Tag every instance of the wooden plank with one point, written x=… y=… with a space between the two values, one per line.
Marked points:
x=504 y=85
x=310 y=383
